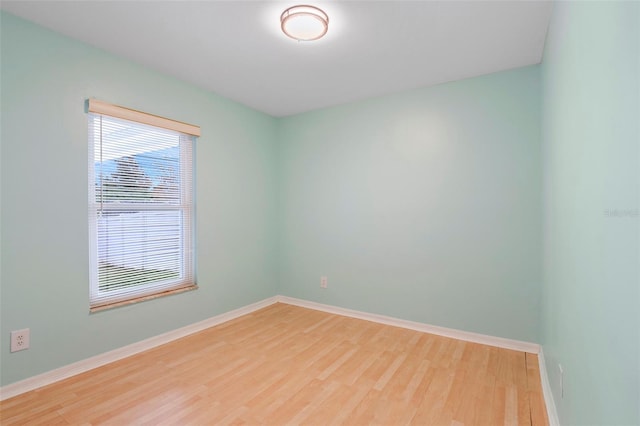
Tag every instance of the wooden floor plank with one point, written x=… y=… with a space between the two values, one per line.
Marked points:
x=290 y=365
x=534 y=387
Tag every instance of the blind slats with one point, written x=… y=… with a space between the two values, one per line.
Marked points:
x=140 y=211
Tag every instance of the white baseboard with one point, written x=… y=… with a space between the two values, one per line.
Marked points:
x=552 y=412
x=67 y=371
x=82 y=366
x=417 y=326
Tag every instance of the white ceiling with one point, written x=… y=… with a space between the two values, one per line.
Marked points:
x=236 y=48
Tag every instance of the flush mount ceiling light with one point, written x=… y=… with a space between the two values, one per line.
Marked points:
x=304 y=23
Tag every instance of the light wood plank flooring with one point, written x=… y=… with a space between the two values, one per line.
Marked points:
x=289 y=365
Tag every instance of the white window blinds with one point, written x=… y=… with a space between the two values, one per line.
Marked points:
x=140 y=210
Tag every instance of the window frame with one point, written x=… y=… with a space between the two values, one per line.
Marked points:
x=99 y=299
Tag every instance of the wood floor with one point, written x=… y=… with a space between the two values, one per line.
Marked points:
x=290 y=365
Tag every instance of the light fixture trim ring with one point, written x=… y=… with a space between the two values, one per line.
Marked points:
x=303 y=10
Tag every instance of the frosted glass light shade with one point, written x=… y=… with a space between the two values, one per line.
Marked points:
x=304 y=23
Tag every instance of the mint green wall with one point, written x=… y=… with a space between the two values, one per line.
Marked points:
x=45 y=80
x=424 y=205
x=591 y=293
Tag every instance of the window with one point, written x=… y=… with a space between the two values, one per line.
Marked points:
x=140 y=205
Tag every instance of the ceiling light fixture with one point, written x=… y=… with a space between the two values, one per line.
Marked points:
x=304 y=23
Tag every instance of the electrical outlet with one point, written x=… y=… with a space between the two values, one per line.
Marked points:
x=323 y=282
x=20 y=340
x=561 y=380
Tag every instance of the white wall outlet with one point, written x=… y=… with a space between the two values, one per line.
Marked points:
x=561 y=380
x=19 y=340
x=323 y=282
